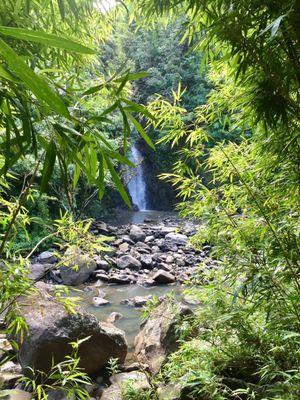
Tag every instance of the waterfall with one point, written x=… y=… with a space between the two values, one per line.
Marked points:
x=136 y=183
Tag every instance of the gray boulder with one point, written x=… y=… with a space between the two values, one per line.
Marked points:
x=127 y=261
x=176 y=238
x=146 y=261
x=163 y=277
x=38 y=270
x=137 y=301
x=47 y=257
x=136 y=234
x=78 y=267
x=113 y=317
x=51 y=330
x=99 y=301
x=101 y=263
x=158 y=336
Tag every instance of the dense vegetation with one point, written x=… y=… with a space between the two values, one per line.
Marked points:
x=231 y=133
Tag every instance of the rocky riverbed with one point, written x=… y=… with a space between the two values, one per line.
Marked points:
x=144 y=260
x=145 y=254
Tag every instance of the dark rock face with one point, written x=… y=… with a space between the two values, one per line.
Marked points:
x=78 y=269
x=51 y=329
x=157 y=337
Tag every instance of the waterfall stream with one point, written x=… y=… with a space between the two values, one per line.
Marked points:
x=136 y=183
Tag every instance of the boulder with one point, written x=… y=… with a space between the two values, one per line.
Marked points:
x=78 y=268
x=136 y=380
x=99 y=302
x=127 y=261
x=101 y=263
x=5 y=347
x=136 y=234
x=47 y=257
x=8 y=380
x=38 y=270
x=51 y=330
x=121 y=279
x=15 y=394
x=137 y=301
x=146 y=261
x=124 y=247
x=158 y=336
x=176 y=238
x=113 y=317
x=163 y=277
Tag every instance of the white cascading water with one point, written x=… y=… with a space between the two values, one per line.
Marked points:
x=136 y=185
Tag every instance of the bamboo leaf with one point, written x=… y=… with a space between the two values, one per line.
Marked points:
x=132 y=76
x=48 y=165
x=47 y=39
x=33 y=82
x=140 y=129
x=117 y=181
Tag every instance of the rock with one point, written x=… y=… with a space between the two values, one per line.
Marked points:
x=47 y=257
x=121 y=279
x=127 y=239
x=78 y=269
x=158 y=336
x=99 y=301
x=149 y=239
x=124 y=247
x=15 y=394
x=142 y=248
x=101 y=263
x=10 y=366
x=55 y=276
x=148 y=282
x=166 y=267
x=136 y=234
x=137 y=301
x=167 y=246
x=135 y=366
x=177 y=238
x=102 y=227
x=38 y=270
x=136 y=380
x=51 y=329
x=169 y=259
x=155 y=249
x=5 y=346
x=146 y=261
x=102 y=277
x=168 y=229
x=127 y=261
x=113 y=317
x=163 y=277
x=8 y=380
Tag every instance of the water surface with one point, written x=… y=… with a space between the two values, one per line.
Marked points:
x=130 y=323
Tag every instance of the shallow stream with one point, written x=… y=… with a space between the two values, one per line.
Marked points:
x=130 y=322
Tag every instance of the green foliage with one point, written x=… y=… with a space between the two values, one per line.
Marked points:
x=52 y=118
x=246 y=192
